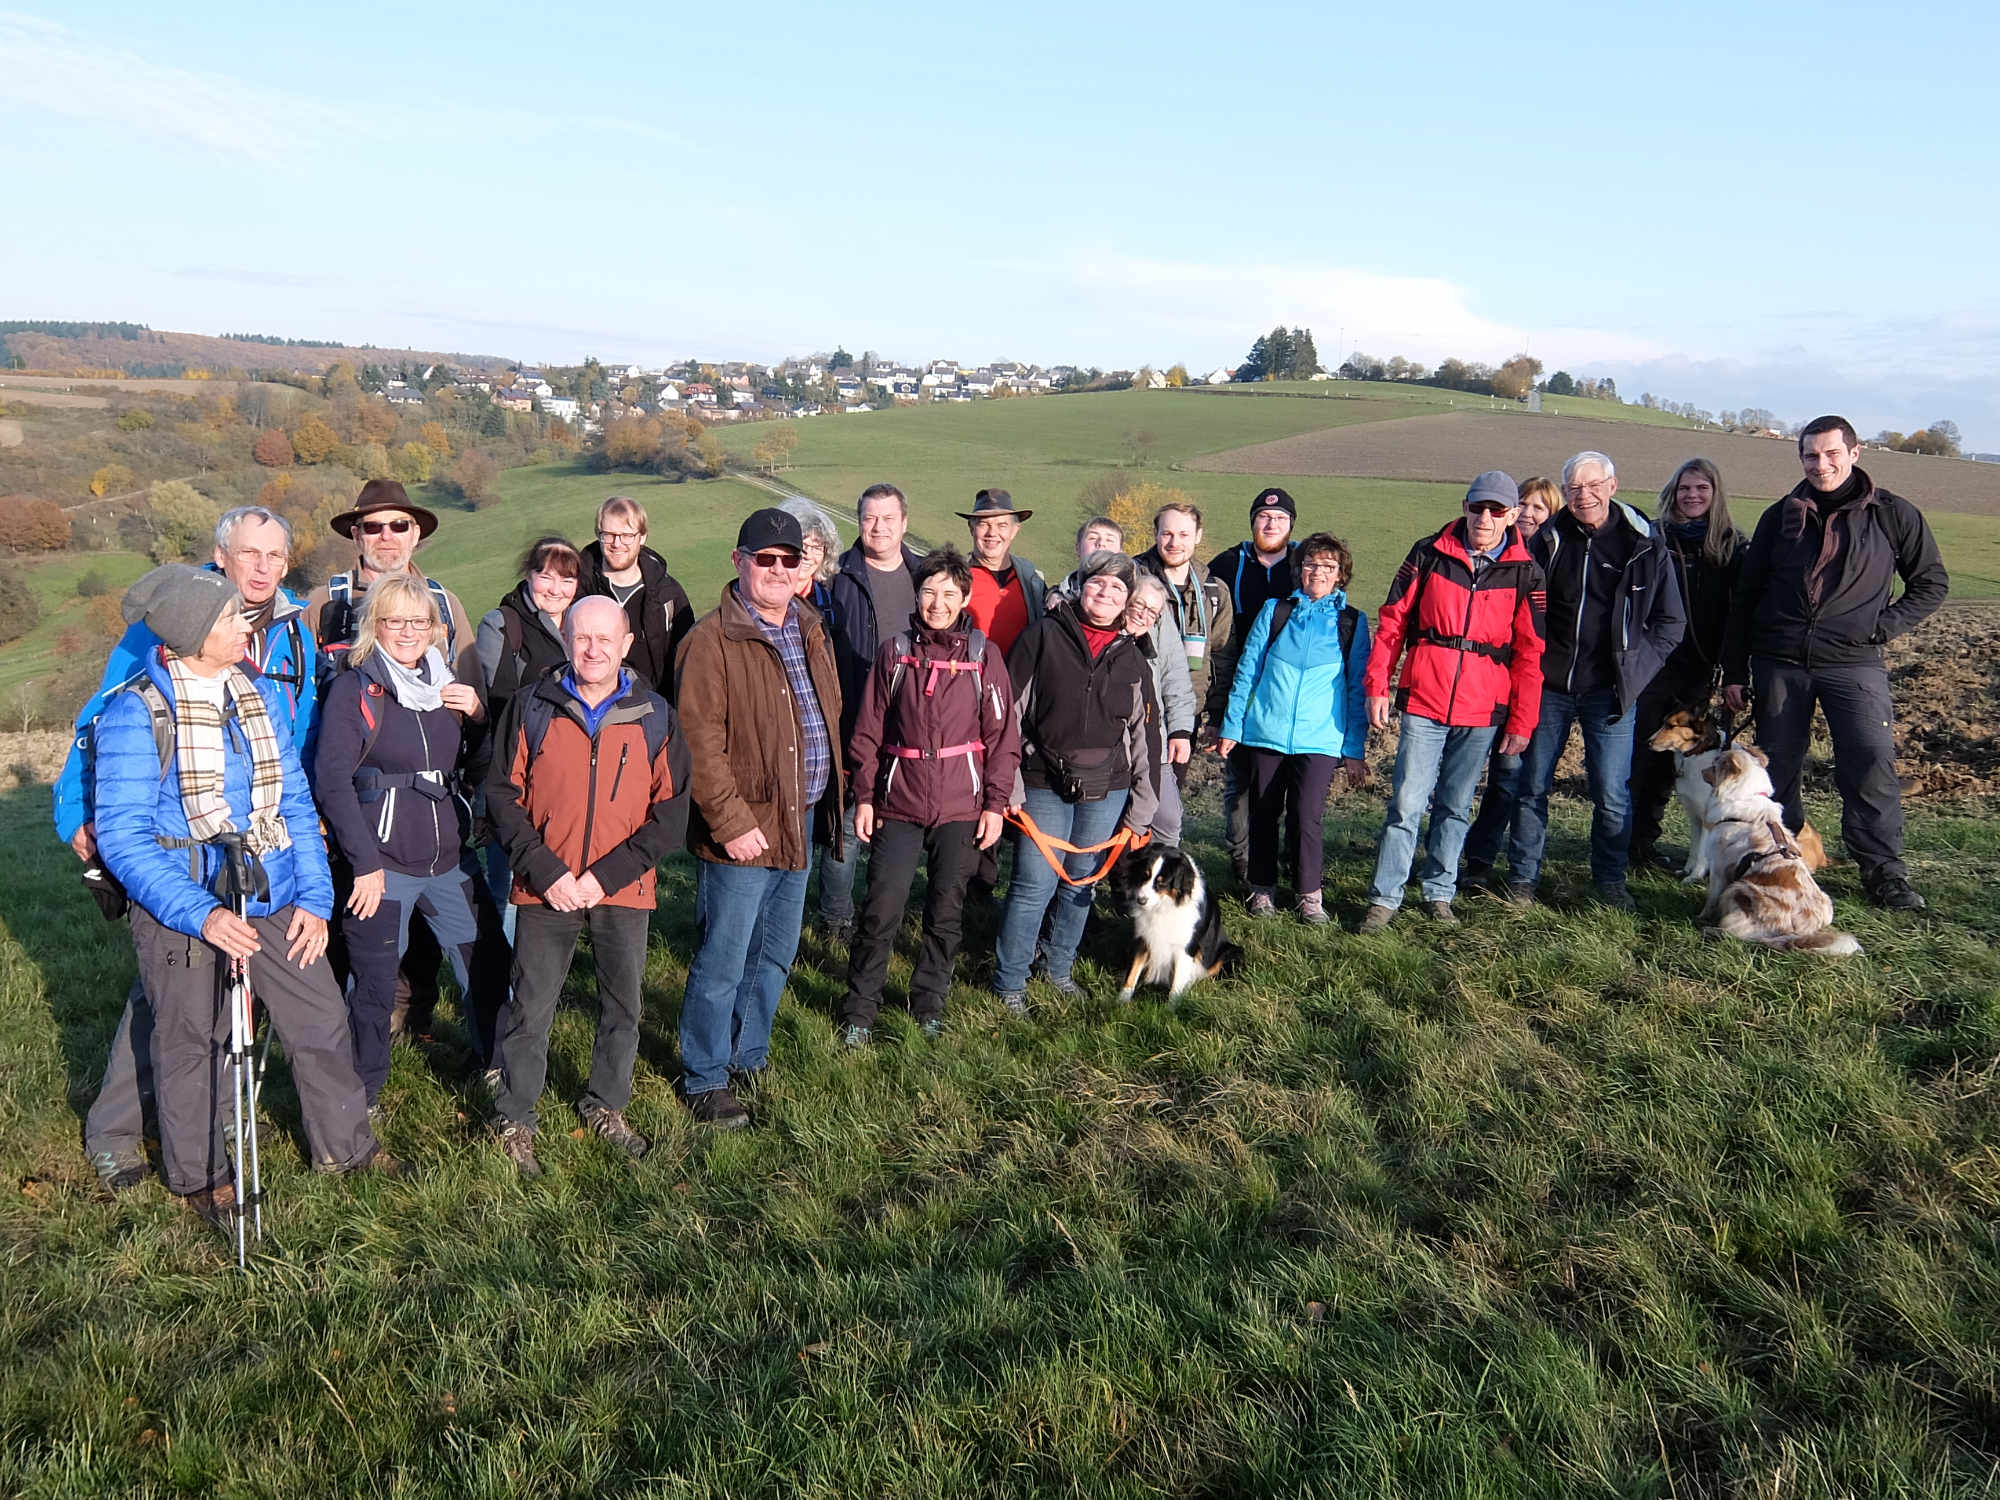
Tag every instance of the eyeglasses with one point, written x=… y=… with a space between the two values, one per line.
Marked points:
x=1486 y=508
x=775 y=561
x=245 y=557
x=1319 y=567
x=1136 y=610
x=1587 y=486
x=619 y=538
x=397 y=624
x=376 y=528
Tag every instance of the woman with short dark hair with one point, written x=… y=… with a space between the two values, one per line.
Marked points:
x=1298 y=708
x=935 y=752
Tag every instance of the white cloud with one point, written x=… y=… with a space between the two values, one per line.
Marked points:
x=51 y=70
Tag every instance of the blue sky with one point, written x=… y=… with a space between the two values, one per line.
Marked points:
x=1788 y=205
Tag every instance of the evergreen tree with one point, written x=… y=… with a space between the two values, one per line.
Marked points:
x=1256 y=362
x=1305 y=358
x=1278 y=353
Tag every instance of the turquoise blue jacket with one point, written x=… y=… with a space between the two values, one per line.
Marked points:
x=1301 y=697
x=287 y=656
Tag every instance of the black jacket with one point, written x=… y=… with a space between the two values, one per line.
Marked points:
x=383 y=812
x=856 y=633
x=1707 y=591
x=1818 y=597
x=1250 y=585
x=1645 y=620
x=516 y=619
x=1097 y=716
x=660 y=615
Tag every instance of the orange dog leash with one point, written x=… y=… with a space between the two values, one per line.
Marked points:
x=1053 y=849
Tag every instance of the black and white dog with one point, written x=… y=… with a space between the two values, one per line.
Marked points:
x=1176 y=925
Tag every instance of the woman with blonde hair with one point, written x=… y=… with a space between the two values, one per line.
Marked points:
x=394 y=730
x=1707 y=551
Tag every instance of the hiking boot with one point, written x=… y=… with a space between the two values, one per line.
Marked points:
x=610 y=1125
x=1896 y=894
x=381 y=1163
x=517 y=1144
x=718 y=1108
x=1014 y=1002
x=854 y=1038
x=1519 y=893
x=1475 y=872
x=1063 y=985
x=1261 y=904
x=120 y=1171
x=932 y=1027
x=1312 y=909
x=1376 y=919
x=1441 y=913
x=215 y=1206
x=836 y=934
x=1613 y=894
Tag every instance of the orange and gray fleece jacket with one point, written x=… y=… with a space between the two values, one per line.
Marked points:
x=573 y=789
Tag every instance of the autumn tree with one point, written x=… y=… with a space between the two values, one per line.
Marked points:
x=433 y=437
x=313 y=441
x=31 y=524
x=138 y=419
x=1177 y=376
x=774 y=446
x=112 y=479
x=183 y=521
x=19 y=607
x=1134 y=505
x=375 y=421
x=1516 y=378
x=274 y=449
x=371 y=461
x=471 y=478
x=413 y=463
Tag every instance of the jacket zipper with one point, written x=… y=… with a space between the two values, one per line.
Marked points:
x=437 y=823
x=1458 y=657
x=1576 y=632
x=590 y=805
x=618 y=779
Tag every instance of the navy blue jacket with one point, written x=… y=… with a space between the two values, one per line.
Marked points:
x=857 y=635
x=383 y=812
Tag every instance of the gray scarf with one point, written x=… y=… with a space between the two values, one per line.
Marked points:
x=420 y=688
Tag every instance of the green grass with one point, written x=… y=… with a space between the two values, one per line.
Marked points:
x=1422 y=399
x=1558 y=1204
x=39 y=652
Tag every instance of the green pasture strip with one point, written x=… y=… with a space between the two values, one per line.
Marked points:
x=1423 y=398
x=1560 y=1203
x=40 y=652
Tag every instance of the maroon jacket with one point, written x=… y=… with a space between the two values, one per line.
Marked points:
x=960 y=721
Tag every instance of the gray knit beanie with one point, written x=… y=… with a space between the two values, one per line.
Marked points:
x=180 y=604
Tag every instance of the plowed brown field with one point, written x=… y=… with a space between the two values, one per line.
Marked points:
x=1454 y=446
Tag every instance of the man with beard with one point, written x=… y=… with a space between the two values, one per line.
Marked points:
x=621 y=566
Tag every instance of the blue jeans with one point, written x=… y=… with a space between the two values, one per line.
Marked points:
x=1431 y=758
x=748 y=918
x=1607 y=769
x=1035 y=884
x=836 y=876
x=499 y=882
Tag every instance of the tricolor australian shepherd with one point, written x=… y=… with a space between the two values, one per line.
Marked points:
x=1697 y=740
x=1176 y=924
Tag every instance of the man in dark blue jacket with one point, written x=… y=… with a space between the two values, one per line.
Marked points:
x=874 y=595
x=1813 y=609
x=1614 y=616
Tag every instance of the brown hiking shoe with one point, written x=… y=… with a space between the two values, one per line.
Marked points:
x=719 y=1108
x=1376 y=919
x=609 y=1125
x=214 y=1206
x=517 y=1144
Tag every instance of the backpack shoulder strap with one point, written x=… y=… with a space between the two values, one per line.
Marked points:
x=535 y=721
x=903 y=644
x=443 y=599
x=1349 y=622
x=1280 y=617
x=160 y=714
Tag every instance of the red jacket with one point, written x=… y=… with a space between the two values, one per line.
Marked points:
x=943 y=715
x=1475 y=646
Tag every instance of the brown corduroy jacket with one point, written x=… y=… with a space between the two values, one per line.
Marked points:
x=744 y=735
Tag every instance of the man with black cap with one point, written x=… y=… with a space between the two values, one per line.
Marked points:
x=201 y=801
x=760 y=704
x=1254 y=572
x=1008 y=592
x=386 y=530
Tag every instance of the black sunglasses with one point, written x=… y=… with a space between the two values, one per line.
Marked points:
x=376 y=528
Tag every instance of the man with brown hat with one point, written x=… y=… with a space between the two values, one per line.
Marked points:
x=386 y=530
x=1008 y=592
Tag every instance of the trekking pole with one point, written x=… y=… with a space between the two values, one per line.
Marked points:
x=244 y=1071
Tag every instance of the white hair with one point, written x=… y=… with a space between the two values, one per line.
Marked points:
x=1150 y=583
x=225 y=528
x=1590 y=456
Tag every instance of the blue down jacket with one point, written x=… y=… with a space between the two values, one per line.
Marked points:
x=138 y=805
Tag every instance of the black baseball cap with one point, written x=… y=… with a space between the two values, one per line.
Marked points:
x=770 y=527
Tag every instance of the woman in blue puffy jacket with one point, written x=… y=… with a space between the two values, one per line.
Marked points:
x=1298 y=714
x=201 y=801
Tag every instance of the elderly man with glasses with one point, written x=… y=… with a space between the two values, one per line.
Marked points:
x=760 y=705
x=1614 y=616
x=620 y=565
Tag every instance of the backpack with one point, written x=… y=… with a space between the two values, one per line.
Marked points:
x=337 y=623
x=906 y=656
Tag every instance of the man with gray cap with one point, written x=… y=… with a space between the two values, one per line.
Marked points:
x=1614 y=617
x=253 y=551
x=201 y=803
x=1466 y=606
x=760 y=702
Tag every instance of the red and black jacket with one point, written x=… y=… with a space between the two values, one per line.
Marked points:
x=1475 y=642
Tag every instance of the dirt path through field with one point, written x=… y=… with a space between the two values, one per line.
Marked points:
x=1453 y=446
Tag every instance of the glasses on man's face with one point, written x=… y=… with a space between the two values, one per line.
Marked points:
x=376 y=528
x=775 y=561
x=406 y=624
x=1486 y=510
x=619 y=538
x=245 y=557
x=1586 y=486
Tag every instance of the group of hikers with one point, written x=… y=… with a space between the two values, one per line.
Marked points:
x=329 y=795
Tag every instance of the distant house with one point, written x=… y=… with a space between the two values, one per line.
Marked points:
x=406 y=396
x=565 y=407
x=633 y=372
x=701 y=393
x=670 y=394
x=515 y=399
x=1221 y=375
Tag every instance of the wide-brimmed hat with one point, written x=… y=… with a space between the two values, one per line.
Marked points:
x=993 y=503
x=384 y=494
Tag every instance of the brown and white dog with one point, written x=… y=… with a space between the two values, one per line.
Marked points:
x=1760 y=888
x=1176 y=921
x=1696 y=739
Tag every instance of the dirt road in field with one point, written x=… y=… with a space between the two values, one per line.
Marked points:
x=1453 y=446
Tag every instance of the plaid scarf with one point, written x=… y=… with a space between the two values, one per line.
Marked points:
x=201 y=759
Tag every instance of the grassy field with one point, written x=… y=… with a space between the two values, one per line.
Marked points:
x=1424 y=398
x=1563 y=1203
x=38 y=653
